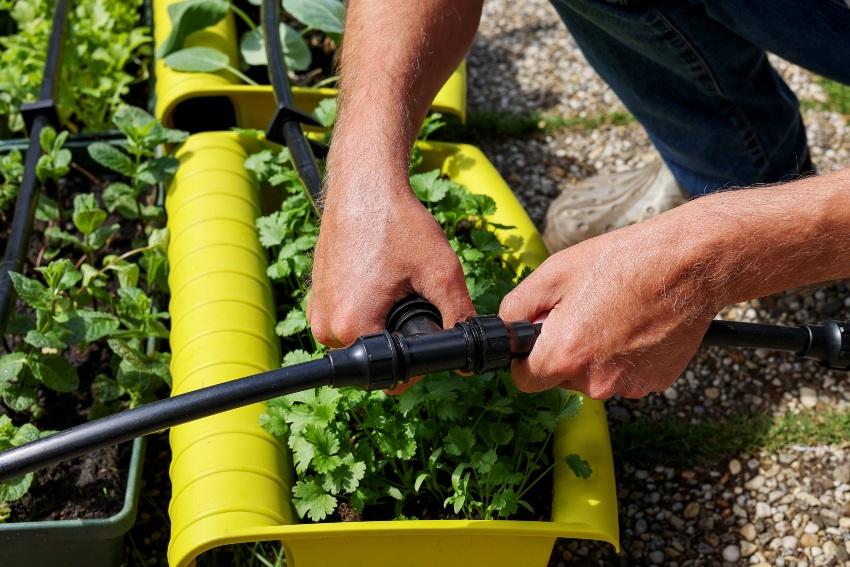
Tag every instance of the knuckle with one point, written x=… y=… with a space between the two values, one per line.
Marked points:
x=346 y=329
x=524 y=380
x=600 y=389
x=321 y=331
x=449 y=278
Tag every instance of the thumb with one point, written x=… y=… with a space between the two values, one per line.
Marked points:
x=531 y=299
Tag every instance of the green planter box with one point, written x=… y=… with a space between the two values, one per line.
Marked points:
x=89 y=543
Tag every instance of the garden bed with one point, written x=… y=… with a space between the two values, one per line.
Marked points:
x=217 y=97
x=85 y=337
x=223 y=321
x=105 y=62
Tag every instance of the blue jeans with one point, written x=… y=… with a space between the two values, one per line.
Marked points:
x=696 y=76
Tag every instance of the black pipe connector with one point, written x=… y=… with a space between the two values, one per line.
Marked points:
x=829 y=344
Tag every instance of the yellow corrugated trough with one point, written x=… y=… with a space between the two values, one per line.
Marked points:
x=231 y=480
x=208 y=95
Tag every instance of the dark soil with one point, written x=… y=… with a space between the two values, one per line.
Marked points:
x=91 y=486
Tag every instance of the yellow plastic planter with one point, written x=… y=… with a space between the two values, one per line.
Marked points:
x=231 y=480
x=213 y=96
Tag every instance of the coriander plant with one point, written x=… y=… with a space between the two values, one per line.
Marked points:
x=465 y=447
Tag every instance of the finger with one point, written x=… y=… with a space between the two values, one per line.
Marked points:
x=532 y=298
x=534 y=373
x=403 y=387
x=551 y=362
x=369 y=317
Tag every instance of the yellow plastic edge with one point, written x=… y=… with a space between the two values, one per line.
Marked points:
x=226 y=471
x=231 y=480
x=254 y=106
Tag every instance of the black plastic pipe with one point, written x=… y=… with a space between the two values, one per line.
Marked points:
x=288 y=119
x=50 y=81
x=754 y=335
x=162 y=414
x=373 y=361
x=37 y=115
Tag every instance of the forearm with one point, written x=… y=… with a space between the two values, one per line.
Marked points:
x=757 y=242
x=396 y=55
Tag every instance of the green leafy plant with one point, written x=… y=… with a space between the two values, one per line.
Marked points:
x=104 y=54
x=11 y=436
x=11 y=177
x=55 y=160
x=189 y=16
x=92 y=297
x=466 y=447
x=137 y=161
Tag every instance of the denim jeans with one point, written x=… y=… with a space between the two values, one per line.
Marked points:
x=696 y=76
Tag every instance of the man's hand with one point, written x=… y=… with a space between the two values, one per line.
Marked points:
x=372 y=254
x=377 y=242
x=626 y=312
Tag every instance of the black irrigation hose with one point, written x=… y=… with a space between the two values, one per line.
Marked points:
x=38 y=115
x=374 y=361
x=153 y=417
x=288 y=119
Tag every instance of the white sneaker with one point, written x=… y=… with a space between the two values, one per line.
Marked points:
x=604 y=203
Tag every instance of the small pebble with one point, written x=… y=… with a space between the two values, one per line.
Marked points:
x=691 y=510
x=731 y=553
x=808 y=397
x=755 y=483
x=734 y=466
x=789 y=542
x=748 y=531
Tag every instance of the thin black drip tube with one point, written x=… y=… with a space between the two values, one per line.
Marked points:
x=299 y=146
x=162 y=414
x=25 y=205
x=738 y=334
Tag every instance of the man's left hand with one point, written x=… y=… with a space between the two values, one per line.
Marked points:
x=624 y=312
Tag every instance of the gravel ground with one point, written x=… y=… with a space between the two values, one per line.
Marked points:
x=786 y=508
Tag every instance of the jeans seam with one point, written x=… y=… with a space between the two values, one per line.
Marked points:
x=750 y=138
x=691 y=50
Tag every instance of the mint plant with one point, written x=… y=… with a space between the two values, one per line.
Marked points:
x=93 y=296
x=138 y=162
x=473 y=447
x=104 y=55
x=11 y=177
x=11 y=436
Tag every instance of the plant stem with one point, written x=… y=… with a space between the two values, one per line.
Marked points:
x=86 y=173
x=326 y=81
x=536 y=480
x=243 y=16
x=124 y=256
x=239 y=74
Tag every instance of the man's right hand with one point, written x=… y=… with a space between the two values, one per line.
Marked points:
x=377 y=245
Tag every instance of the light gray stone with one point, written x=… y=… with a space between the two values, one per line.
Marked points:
x=731 y=553
x=808 y=397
